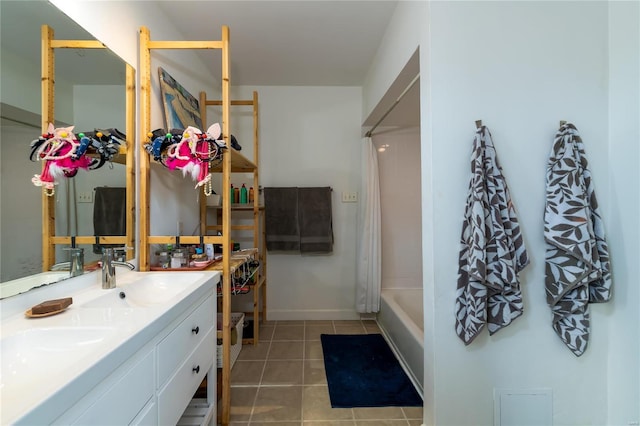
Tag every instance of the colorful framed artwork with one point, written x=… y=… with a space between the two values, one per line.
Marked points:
x=181 y=108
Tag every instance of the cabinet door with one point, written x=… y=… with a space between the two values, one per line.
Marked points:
x=121 y=403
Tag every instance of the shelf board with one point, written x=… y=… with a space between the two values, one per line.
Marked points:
x=238 y=207
x=239 y=163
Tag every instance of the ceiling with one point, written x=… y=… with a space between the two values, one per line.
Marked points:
x=289 y=43
x=273 y=43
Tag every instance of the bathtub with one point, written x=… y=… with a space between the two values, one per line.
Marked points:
x=401 y=321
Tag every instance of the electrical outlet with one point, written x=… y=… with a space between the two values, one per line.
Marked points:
x=85 y=197
x=349 y=197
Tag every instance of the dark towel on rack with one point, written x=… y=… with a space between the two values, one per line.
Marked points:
x=281 y=219
x=109 y=214
x=315 y=221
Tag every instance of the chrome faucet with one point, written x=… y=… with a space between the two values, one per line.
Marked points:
x=76 y=264
x=77 y=261
x=109 y=267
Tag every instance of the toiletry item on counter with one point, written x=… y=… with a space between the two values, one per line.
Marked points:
x=208 y=249
x=164 y=260
x=178 y=258
x=243 y=195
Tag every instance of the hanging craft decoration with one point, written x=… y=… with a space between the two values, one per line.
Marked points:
x=188 y=150
x=64 y=154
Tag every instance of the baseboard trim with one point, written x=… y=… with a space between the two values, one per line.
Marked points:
x=311 y=315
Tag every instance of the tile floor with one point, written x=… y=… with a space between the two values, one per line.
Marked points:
x=282 y=381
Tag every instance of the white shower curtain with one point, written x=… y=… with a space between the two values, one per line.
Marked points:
x=369 y=248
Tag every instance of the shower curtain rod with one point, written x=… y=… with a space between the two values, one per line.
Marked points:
x=397 y=101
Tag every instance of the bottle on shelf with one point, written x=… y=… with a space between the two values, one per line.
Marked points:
x=243 y=195
x=236 y=195
x=251 y=194
x=231 y=193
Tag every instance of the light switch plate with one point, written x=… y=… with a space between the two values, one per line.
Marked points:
x=349 y=197
x=85 y=197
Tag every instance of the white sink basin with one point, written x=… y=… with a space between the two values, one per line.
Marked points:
x=140 y=290
x=32 y=354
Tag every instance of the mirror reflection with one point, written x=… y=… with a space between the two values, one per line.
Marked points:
x=89 y=93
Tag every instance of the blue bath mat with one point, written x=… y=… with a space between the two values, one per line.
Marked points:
x=363 y=372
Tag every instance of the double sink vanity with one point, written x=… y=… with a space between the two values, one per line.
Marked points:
x=134 y=354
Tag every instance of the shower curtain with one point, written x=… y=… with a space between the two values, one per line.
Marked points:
x=369 y=246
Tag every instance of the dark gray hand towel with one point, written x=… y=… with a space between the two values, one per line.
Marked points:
x=315 y=220
x=109 y=214
x=281 y=219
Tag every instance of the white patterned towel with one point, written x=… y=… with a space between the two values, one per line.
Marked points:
x=577 y=258
x=492 y=250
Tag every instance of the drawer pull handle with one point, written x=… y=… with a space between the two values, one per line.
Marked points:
x=196 y=369
x=195 y=330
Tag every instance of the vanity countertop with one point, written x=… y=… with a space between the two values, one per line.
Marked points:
x=49 y=361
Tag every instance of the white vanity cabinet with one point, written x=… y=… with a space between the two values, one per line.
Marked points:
x=156 y=384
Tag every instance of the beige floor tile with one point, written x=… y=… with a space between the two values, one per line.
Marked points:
x=286 y=350
x=278 y=404
x=313 y=332
x=254 y=352
x=282 y=373
x=371 y=413
x=281 y=423
x=291 y=322
x=413 y=412
x=415 y=422
x=317 y=406
x=241 y=403
x=289 y=332
x=247 y=372
x=350 y=329
x=372 y=328
x=313 y=350
x=382 y=422
x=314 y=373
x=238 y=424
x=347 y=322
x=317 y=322
x=329 y=423
x=266 y=333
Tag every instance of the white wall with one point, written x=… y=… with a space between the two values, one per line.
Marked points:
x=551 y=66
x=21 y=218
x=624 y=211
x=310 y=136
x=522 y=67
x=20 y=80
x=400 y=203
x=400 y=42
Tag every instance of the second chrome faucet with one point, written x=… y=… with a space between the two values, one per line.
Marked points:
x=109 y=267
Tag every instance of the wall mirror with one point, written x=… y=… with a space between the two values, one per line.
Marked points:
x=92 y=88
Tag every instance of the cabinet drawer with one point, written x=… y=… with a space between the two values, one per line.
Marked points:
x=123 y=401
x=184 y=338
x=176 y=395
